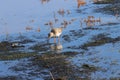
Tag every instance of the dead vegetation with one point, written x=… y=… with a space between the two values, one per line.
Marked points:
x=113 y=7
x=103 y=1
x=40 y=47
x=80 y=3
x=97 y=40
x=76 y=34
x=15 y=55
x=10 y=78
x=100 y=39
x=60 y=67
x=109 y=24
x=92 y=21
x=44 y=1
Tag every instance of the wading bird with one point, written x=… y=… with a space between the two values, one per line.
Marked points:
x=55 y=33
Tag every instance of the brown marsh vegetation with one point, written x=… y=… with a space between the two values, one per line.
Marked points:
x=51 y=56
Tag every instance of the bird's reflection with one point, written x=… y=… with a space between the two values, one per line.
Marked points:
x=57 y=47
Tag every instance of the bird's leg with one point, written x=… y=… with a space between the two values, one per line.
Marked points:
x=59 y=39
x=54 y=39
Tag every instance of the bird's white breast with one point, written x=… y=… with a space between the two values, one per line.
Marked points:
x=58 y=34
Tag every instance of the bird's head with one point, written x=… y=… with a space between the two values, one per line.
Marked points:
x=50 y=35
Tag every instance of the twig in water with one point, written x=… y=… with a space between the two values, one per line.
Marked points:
x=52 y=76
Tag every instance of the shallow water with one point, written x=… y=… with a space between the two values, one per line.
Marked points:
x=16 y=15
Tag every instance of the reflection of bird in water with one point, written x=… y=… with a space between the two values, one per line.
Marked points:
x=55 y=32
x=56 y=47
